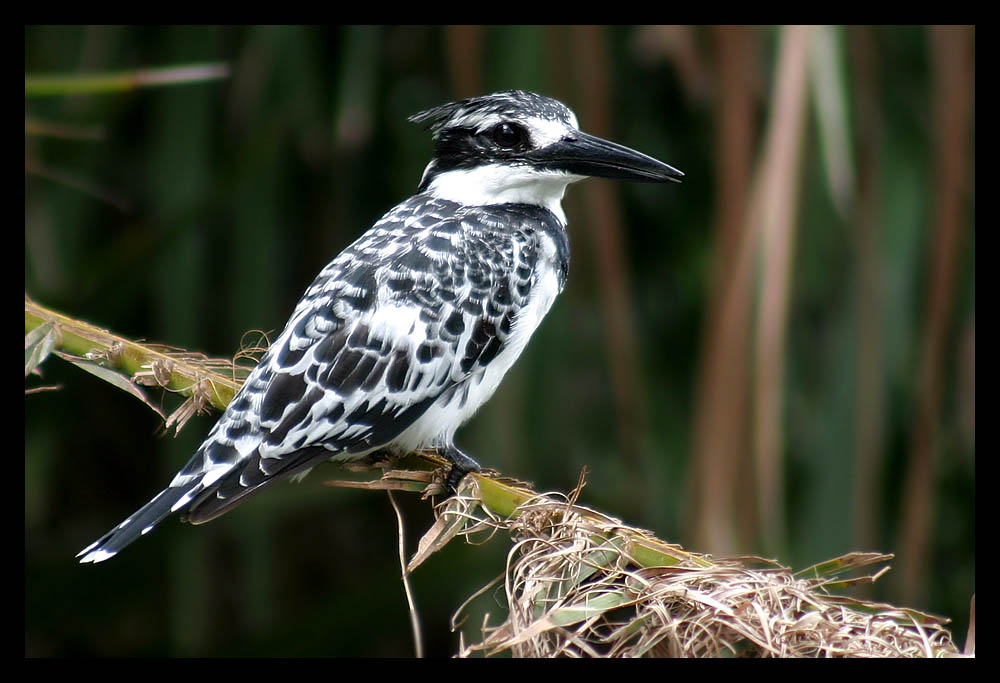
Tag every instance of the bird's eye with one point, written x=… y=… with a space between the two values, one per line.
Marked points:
x=507 y=135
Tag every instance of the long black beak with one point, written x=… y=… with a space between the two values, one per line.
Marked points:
x=586 y=155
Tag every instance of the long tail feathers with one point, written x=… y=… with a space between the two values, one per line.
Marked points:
x=212 y=483
x=140 y=523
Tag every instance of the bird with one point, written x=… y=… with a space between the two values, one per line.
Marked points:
x=409 y=330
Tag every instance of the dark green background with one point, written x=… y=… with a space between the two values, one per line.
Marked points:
x=206 y=209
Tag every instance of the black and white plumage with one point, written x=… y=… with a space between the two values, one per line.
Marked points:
x=406 y=333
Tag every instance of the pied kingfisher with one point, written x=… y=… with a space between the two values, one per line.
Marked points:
x=406 y=333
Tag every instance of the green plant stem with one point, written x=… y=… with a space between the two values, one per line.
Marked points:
x=119 y=81
x=176 y=372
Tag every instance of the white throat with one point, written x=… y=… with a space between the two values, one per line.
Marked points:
x=503 y=184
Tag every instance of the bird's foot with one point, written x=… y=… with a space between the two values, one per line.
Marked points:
x=461 y=465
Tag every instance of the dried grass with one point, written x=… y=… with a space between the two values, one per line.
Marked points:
x=573 y=590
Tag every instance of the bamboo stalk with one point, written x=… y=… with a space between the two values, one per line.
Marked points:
x=778 y=202
x=951 y=57
x=721 y=416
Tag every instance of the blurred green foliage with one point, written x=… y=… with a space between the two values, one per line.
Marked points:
x=204 y=210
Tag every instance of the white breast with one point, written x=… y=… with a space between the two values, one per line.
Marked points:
x=438 y=425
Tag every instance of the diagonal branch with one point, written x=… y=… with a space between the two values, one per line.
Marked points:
x=205 y=382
